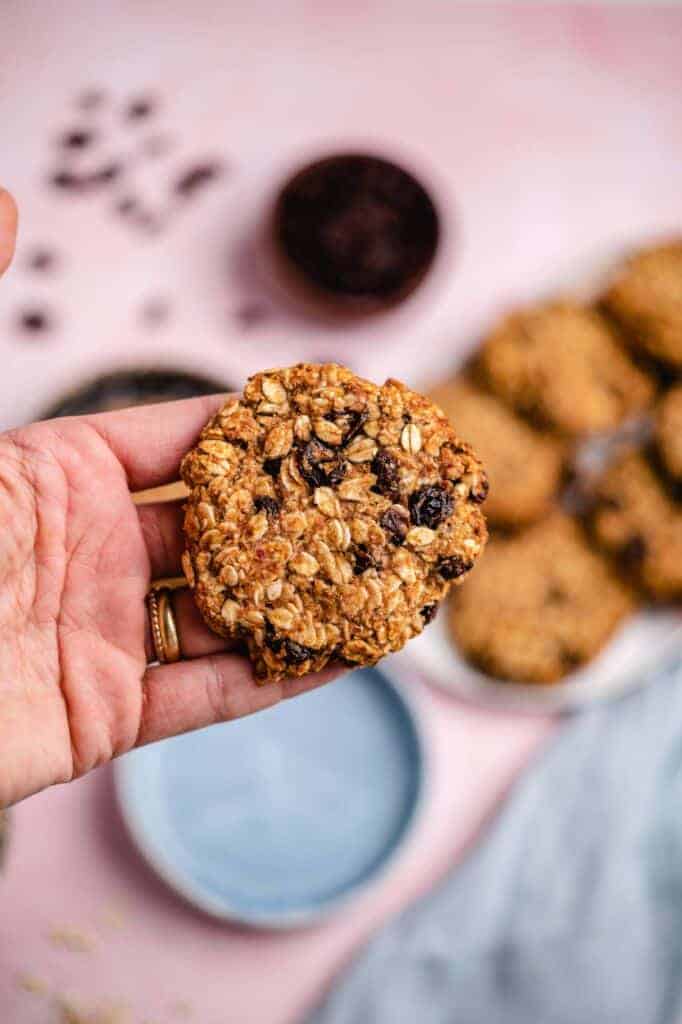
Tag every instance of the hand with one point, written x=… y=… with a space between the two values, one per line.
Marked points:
x=76 y=559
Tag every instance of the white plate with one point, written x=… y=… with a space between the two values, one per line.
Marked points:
x=644 y=641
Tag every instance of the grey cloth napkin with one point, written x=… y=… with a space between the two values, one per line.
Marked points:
x=570 y=909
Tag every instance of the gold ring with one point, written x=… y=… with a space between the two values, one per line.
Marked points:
x=164 y=627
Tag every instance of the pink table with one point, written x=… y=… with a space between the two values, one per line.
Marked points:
x=558 y=132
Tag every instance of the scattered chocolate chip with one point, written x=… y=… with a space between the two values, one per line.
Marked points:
x=272 y=467
x=77 y=138
x=91 y=99
x=363 y=560
x=42 y=260
x=395 y=521
x=154 y=312
x=238 y=442
x=270 y=506
x=126 y=205
x=428 y=612
x=479 y=491
x=634 y=551
x=67 y=180
x=34 y=321
x=106 y=174
x=454 y=567
x=296 y=654
x=430 y=505
x=385 y=468
x=320 y=466
x=139 y=108
x=196 y=177
x=252 y=314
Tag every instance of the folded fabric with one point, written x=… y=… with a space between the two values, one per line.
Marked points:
x=570 y=909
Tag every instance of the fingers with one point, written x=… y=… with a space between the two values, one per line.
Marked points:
x=8 y=229
x=151 y=440
x=196 y=639
x=161 y=526
x=193 y=694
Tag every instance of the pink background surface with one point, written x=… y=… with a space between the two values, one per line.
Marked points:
x=557 y=136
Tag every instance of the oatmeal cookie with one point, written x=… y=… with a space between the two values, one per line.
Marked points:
x=327 y=517
x=561 y=364
x=541 y=604
x=636 y=519
x=668 y=432
x=524 y=466
x=646 y=299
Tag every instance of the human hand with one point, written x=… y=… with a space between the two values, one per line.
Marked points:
x=76 y=560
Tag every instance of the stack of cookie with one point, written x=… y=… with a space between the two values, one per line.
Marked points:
x=550 y=384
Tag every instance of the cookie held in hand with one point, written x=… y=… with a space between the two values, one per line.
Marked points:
x=327 y=518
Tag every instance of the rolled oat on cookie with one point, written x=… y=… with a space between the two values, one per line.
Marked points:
x=328 y=517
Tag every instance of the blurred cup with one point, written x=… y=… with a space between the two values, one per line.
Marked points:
x=355 y=230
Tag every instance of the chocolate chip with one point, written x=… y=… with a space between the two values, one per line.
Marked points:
x=272 y=467
x=395 y=521
x=385 y=468
x=263 y=503
x=430 y=505
x=634 y=551
x=106 y=174
x=363 y=560
x=196 y=177
x=479 y=491
x=296 y=654
x=139 y=108
x=126 y=205
x=34 y=321
x=454 y=567
x=610 y=501
x=428 y=612
x=320 y=466
x=67 y=180
x=42 y=260
x=78 y=138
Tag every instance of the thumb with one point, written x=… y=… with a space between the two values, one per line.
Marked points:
x=8 y=229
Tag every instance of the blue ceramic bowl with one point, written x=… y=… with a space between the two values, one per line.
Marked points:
x=277 y=819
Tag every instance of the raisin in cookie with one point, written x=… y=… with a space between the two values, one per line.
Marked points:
x=636 y=519
x=541 y=604
x=668 y=432
x=524 y=466
x=327 y=517
x=561 y=364
x=646 y=299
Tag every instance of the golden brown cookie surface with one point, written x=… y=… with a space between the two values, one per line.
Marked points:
x=561 y=364
x=327 y=517
x=636 y=520
x=539 y=605
x=646 y=298
x=668 y=431
x=523 y=465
